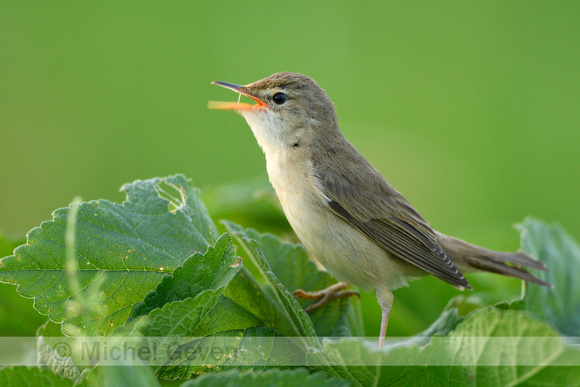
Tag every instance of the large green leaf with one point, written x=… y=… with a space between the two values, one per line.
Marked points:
x=490 y=340
x=132 y=246
x=490 y=347
x=552 y=245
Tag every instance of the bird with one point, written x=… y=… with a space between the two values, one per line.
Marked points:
x=345 y=213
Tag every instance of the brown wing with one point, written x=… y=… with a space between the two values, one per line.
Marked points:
x=363 y=198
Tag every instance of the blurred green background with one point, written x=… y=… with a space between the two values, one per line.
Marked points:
x=471 y=110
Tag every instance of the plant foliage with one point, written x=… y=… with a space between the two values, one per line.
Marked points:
x=156 y=267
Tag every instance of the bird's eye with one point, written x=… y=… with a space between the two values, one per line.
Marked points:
x=279 y=98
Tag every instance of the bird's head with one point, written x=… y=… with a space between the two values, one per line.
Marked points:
x=290 y=109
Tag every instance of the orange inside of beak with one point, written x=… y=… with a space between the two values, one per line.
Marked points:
x=216 y=105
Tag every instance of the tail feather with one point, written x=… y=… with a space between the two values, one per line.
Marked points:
x=469 y=257
x=501 y=268
x=520 y=259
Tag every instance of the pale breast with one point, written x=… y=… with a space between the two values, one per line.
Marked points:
x=346 y=253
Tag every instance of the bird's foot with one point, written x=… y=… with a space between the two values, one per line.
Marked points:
x=333 y=292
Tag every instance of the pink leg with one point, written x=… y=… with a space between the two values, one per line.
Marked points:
x=384 y=323
x=385 y=298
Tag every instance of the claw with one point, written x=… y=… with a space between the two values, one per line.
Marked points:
x=326 y=295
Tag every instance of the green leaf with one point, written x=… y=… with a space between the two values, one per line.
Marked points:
x=552 y=245
x=212 y=270
x=188 y=334
x=253 y=348
x=209 y=314
x=215 y=319
x=248 y=295
x=356 y=361
x=477 y=352
x=204 y=301
x=133 y=246
x=23 y=376
x=566 y=375
x=294 y=269
x=180 y=318
x=475 y=342
x=297 y=321
x=235 y=378
x=242 y=305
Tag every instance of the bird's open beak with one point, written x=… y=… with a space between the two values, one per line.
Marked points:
x=235 y=105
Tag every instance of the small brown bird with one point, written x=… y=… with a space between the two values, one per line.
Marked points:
x=343 y=210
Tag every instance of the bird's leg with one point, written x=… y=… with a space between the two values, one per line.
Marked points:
x=332 y=292
x=385 y=298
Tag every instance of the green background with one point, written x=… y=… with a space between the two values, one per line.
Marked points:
x=470 y=109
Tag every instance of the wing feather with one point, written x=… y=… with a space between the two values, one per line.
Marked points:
x=369 y=203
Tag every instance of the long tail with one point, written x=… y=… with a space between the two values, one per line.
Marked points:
x=469 y=257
